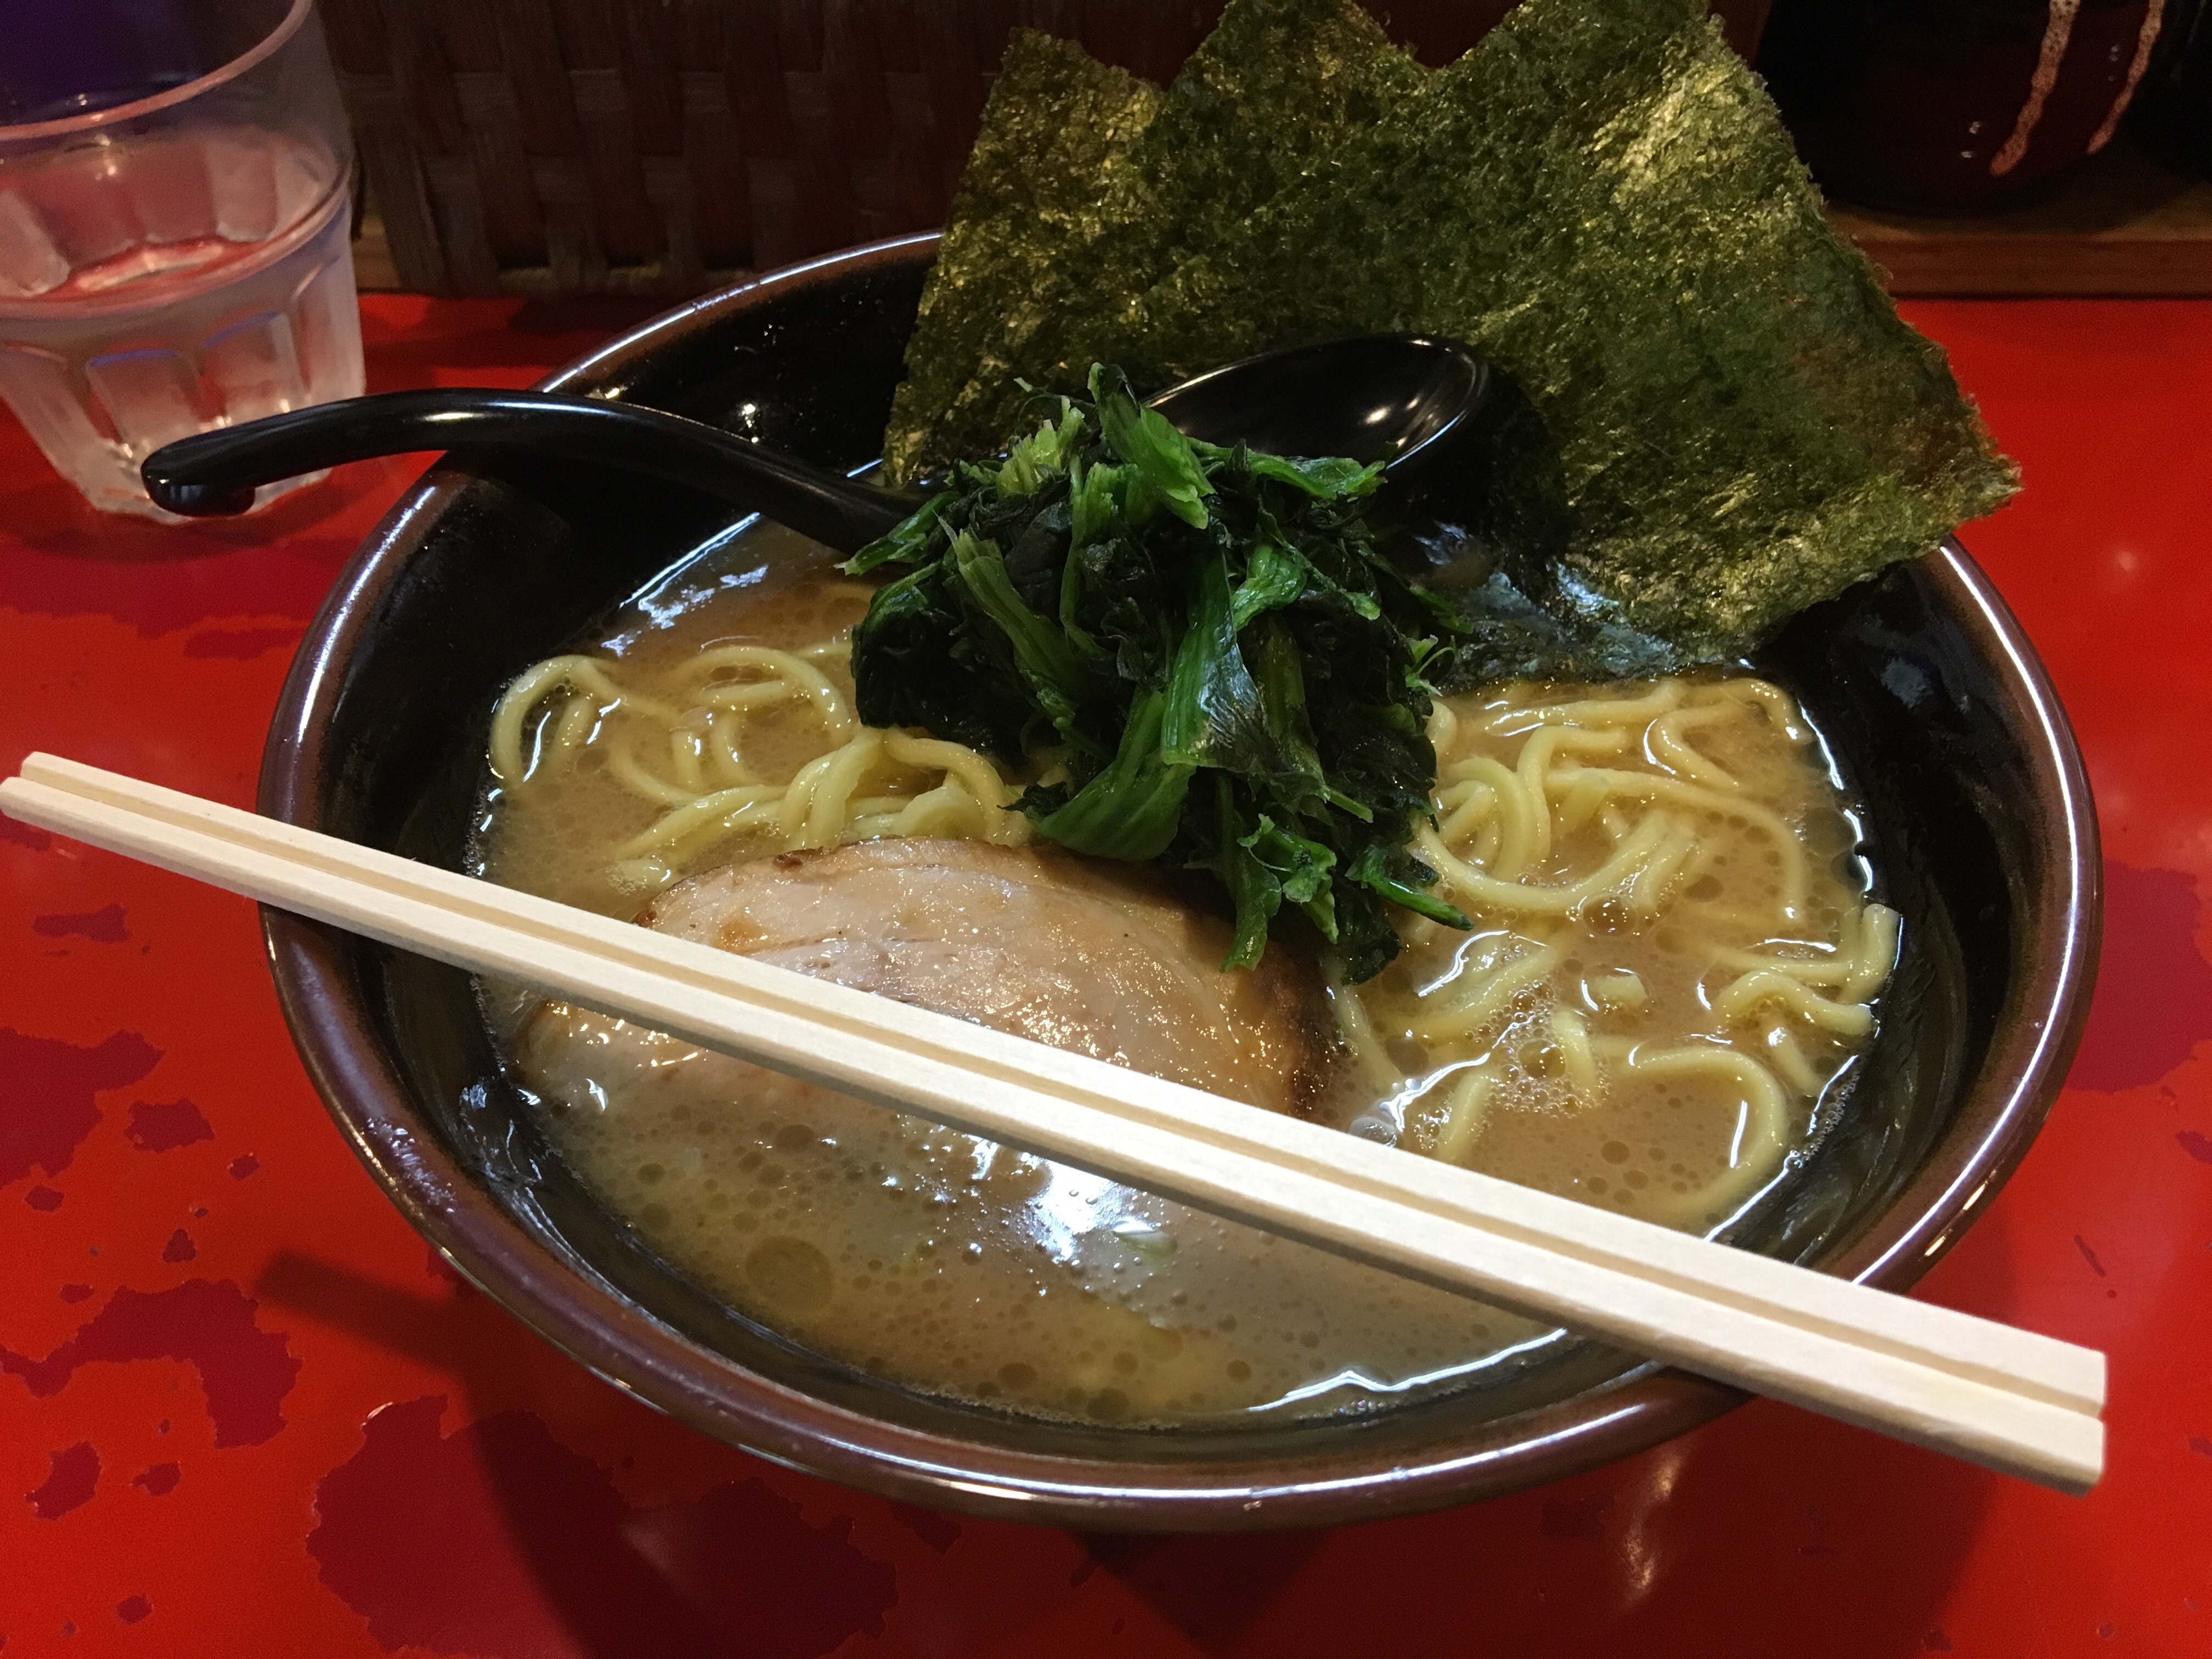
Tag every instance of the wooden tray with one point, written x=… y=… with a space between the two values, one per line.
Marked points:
x=2120 y=225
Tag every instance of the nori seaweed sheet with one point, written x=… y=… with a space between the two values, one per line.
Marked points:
x=1602 y=198
x=1275 y=84
x=1054 y=132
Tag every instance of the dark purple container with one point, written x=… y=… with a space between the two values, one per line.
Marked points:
x=1935 y=105
x=2172 y=117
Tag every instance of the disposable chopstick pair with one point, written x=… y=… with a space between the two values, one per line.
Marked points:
x=2025 y=1404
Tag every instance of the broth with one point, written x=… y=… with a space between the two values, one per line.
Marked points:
x=1666 y=987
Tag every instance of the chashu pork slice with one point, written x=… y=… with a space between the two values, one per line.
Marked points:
x=1098 y=958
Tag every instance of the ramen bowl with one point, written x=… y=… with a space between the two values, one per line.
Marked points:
x=1933 y=704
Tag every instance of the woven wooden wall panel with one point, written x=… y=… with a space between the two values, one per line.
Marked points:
x=663 y=146
x=713 y=166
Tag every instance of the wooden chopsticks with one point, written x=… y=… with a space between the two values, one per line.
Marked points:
x=2016 y=1402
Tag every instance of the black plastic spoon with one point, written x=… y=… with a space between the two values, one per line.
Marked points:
x=1392 y=399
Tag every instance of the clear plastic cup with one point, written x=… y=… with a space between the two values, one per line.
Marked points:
x=173 y=228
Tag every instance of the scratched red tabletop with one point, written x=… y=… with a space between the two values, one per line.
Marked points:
x=243 y=1410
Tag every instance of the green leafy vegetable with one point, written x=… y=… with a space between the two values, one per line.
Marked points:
x=1205 y=641
x=1727 y=420
x=1130 y=810
x=1167 y=470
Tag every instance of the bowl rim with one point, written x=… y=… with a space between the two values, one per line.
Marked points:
x=2019 y=1077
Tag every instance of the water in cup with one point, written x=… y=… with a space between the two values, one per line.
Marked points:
x=165 y=275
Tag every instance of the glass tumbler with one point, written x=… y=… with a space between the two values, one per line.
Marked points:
x=174 y=252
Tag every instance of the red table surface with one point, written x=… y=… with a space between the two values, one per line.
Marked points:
x=246 y=1412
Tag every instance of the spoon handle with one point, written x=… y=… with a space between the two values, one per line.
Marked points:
x=215 y=473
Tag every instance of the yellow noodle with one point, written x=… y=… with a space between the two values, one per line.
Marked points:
x=507 y=761
x=1765 y=986
x=640 y=875
x=1450 y=796
x=1768 y=1125
x=577 y=673
x=1480 y=1006
x=950 y=810
x=1644 y=786
x=1572 y=1036
x=870 y=805
x=635 y=778
x=1484 y=853
x=1594 y=711
x=1665 y=743
x=1801 y=970
x=1619 y=988
x=947 y=809
x=792 y=670
x=1656 y=882
x=1857 y=972
x=1353 y=1024
x=1535 y=758
x=1578 y=804
x=572 y=730
x=743 y=698
x=1466 y=955
x=1516 y=814
x=709 y=793
x=707 y=809
x=1876 y=958
x=722 y=735
x=1513 y=898
x=1789 y=1061
x=1464 y=809
x=1832 y=969
x=933 y=754
x=813 y=810
x=1466 y=1107
x=684 y=760
x=1773 y=698
x=760 y=818
x=1532 y=772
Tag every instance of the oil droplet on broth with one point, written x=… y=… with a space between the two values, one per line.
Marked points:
x=790 y=1275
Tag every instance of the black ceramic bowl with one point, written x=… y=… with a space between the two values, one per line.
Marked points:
x=1930 y=697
